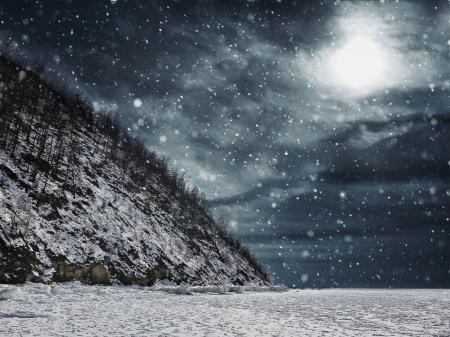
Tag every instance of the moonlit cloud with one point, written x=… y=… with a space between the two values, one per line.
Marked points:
x=375 y=48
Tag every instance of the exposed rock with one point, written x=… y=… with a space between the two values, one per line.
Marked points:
x=95 y=273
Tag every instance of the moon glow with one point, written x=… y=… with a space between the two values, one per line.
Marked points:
x=360 y=65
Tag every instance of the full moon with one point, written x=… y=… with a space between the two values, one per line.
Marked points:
x=359 y=65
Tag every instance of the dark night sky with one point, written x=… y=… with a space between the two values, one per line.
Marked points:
x=321 y=132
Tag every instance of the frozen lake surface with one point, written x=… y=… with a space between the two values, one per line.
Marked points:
x=76 y=310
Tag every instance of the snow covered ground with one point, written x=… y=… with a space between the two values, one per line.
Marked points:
x=76 y=310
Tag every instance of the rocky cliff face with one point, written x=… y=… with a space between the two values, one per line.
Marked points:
x=81 y=200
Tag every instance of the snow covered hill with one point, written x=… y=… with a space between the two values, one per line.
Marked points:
x=81 y=200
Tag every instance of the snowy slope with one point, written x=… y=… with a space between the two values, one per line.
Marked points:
x=71 y=309
x=73 y=206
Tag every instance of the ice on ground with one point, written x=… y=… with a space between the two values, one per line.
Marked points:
x=186 y=289
x=77 y=310
x=9 y=293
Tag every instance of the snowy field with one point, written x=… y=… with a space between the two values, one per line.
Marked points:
x=76 y=310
